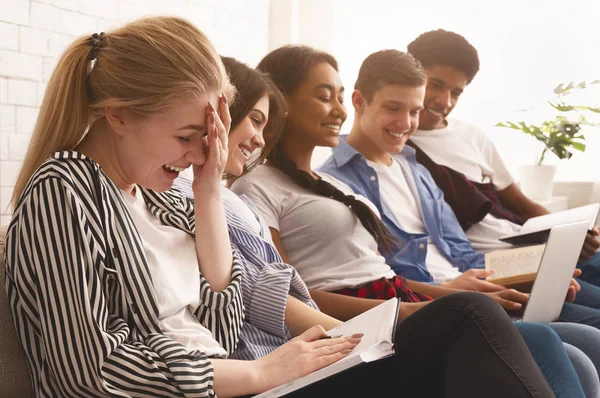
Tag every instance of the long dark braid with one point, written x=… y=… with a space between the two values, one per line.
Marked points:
x=287 y=67
x=368 y=219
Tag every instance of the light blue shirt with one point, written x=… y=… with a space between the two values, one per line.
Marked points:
x=348 y=165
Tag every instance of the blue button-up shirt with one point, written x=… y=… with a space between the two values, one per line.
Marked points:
x=348 y=165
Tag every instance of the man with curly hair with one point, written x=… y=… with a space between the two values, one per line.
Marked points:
x=463 y=160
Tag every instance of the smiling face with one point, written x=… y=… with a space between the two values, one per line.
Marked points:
x=445 y=84
x=388 y=120
x=150 y=151
x=247 y=137
x=316 y=109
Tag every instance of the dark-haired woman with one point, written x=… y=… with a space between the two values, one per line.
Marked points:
x=277 y=302
x=333 y=251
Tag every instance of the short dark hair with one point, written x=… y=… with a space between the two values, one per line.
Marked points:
x=251 y=85
x=387 y=67
x=289 y=65
x=442 y=47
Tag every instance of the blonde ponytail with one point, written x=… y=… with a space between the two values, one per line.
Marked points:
x=63 y=114
x=141 y=66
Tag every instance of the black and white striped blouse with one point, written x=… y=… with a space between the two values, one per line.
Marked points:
x=81 y=294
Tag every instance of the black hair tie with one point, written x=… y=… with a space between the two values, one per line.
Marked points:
x=96 y=42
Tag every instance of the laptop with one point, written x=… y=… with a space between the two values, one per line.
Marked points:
x=555 y=272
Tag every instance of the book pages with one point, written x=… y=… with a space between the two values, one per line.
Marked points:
x=512 y=262
x=377 y=325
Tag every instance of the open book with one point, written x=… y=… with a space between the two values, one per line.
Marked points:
x=378 y=326
x=514 y=266
x=536 y=229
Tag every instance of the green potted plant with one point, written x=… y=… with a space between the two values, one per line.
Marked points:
x=560 y=135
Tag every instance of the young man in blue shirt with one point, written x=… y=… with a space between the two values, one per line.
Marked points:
x=375 y=162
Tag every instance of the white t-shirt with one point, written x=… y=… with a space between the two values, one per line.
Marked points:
x=468 y=150
x=175 y=278
x=322 y=237
x=399 y=202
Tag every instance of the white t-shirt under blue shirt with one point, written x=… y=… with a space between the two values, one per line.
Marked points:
x=400 y=203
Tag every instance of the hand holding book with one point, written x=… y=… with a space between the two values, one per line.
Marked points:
x=314 y=356
x=303 y=355
x=474 y=279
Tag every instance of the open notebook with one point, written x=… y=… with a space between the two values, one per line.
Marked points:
x=536 y=229
x=378 y=326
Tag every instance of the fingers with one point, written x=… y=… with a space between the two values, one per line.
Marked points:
x=586 y=253
x=327 y=360
x=217 y=139
x=354 y=339
x=591 y=242
x=571 y=294
x=515 y=296
x=590 y=246
x=478 y=283
x=480 y=273
x=485 y=286
x=510 y=299
x=508 y=305
x=213 y=145
x=334 y=350
x=332 y=346
x=314 y=333
x=222 y=128
x=577 y=273
x=595 y=231
x=575 y=285
x=224 y=113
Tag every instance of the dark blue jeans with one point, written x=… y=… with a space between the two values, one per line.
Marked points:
x=547 y=350
x=586 y=308
x=462 y=345
x=591 y=270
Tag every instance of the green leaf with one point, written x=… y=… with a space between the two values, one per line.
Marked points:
x=561 y=106
x=578 y=146
x=559 y=89
x=509 y=125
x=561 y=135
x=589 y=108
x=570 y=86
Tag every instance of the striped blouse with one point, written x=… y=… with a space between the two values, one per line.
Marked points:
x=82 y=297
x=266 y=281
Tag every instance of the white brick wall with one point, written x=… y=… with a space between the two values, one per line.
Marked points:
x=34 y=33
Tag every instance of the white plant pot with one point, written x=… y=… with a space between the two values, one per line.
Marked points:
x=537 y=181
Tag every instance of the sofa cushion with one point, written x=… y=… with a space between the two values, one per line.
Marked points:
x=14 y=373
